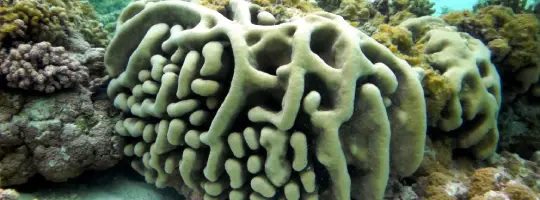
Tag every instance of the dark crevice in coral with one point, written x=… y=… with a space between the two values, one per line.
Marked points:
x=322 y=42
x=314 y=83
x=253 y=38
x=469 y=125
x=275 y=54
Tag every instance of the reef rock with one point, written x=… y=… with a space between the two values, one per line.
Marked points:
x=58 y=136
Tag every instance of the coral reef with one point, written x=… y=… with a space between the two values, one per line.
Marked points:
x=273 y=99
x=41 y=67
x=58 y=136
x=230 y=106
x=512 y=39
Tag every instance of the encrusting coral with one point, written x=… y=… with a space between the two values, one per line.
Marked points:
x=41 y=67
x=231 y=107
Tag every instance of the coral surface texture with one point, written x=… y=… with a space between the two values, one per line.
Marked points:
x=237 y=106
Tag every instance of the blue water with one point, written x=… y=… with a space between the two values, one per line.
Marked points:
x=456 y=5
x=453 y=5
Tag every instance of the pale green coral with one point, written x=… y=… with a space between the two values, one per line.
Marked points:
x=430 y=43
x=471 y=111
x=255 y=114
x=437 y=90
x=512 y=39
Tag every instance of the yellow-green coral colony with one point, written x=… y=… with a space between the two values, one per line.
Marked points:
x=36 y=20
x=49 y=21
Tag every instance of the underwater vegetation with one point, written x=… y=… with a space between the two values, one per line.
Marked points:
x=274 y=99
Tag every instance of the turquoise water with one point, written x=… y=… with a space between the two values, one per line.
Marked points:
x=453 y=5
x=459 y=5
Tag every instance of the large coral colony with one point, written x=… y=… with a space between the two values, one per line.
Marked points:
x=268 y=99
